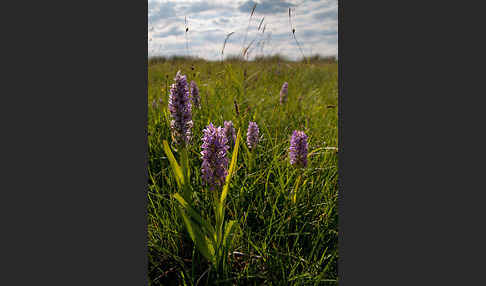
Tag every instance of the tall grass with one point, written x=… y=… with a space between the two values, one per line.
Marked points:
x=277 y=241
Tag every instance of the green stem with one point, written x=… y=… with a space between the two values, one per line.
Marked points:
x=251 y=161
x=219 y=219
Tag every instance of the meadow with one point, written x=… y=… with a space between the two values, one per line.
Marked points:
x=285 y=229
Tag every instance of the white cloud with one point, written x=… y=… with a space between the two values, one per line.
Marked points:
x=209 y=22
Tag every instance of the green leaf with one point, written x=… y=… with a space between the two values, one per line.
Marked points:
x=193 y=214
x=176 y=168
x=186 y=172
x=187 y=223
x=294 y=195
x=166 y=116
x=203 y=246
x=197 y=236
x=227 y=231
x=185 y=162
x=232 y=166
x=314 y=151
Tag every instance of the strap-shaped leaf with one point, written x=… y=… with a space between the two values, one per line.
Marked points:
x=194 y=215
x=197 y=236
x=232 y=166
x=176 y=168
x=185 y=162
x=186 y=173
x=187 y=222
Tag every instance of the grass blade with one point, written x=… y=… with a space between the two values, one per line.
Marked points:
x=176 y=168
x=227 y=231
x=294 y=194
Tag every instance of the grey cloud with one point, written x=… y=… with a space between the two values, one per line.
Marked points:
x=198 y=7
x=326 y=2
x=179 y=47
x=316 y=33
x=281 y=36
x=174 y=31
x=327 y=5
x=306 y=37
x=221 y=21
x=324 y=39
x=212 y=14
x=213 y=36
x=326 y=15
x=266 y=6
x=159 y=11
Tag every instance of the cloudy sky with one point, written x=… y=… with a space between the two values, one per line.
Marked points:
x=209 y=22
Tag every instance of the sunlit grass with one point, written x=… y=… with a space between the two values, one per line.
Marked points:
x=277 y=241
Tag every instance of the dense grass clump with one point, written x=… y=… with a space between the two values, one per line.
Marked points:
x=286 y=216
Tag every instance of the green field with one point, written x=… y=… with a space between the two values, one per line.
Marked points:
x=276 y=241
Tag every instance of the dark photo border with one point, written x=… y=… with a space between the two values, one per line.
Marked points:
x=74 y=181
